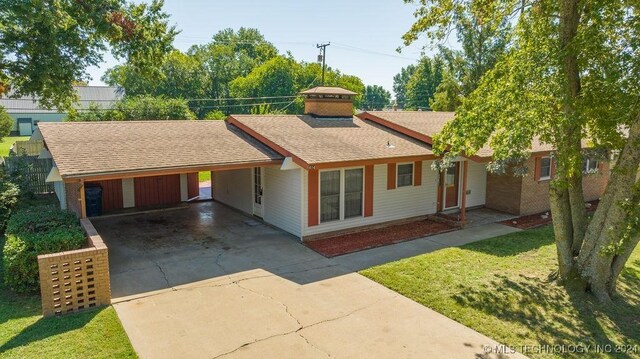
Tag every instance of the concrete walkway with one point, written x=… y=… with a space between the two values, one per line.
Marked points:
x=266 y=295
x=376 y=256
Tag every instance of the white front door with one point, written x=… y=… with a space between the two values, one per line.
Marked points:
x=258 y=188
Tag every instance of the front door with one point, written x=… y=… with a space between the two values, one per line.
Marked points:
x=451 y=184
x=258 y=178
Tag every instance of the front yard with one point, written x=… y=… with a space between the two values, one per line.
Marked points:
x=25 y=334
x=500 y=288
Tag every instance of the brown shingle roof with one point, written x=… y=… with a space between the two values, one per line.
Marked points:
x=327 y=140
x=325 y=90
x=429 y=123
x=92 y=148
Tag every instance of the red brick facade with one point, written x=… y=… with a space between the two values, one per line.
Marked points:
x=524 y=195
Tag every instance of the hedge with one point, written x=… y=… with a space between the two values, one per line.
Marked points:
x=33 y=231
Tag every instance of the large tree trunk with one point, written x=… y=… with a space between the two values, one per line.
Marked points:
x=590 y=255
x=565 y=192
x=602 y=257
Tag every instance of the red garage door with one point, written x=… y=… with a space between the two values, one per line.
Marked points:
x=111 y=194
x=157 y=190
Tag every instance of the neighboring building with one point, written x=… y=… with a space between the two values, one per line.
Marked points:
x=312 y=174
x=27 y=112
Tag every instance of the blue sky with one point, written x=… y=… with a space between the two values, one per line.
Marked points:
x=363 y=33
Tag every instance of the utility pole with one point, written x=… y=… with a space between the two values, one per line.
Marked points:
x=324 y=53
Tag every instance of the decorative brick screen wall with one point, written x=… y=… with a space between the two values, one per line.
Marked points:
x=75 y=280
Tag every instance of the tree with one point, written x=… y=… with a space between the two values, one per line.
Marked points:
x=135 y=109
x=180 y=76
x=45 y=46
x=570 y=73
x=276 y=77
x=6 y=123
x=375 y=97
x=483 y=43
x=448 y=95
x=422 y=85
x=232 y=54
x=400 y=81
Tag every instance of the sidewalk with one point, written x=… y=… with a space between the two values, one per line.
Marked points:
x=376 y=256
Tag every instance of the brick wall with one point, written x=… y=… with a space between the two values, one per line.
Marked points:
x=503 y=192
x=535 y=194
x=594 y=184
x=75 y=280
x=332 y=107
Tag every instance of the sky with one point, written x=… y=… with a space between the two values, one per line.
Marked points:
x=364 y=34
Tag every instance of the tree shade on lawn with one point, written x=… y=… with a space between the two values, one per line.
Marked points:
x=500 y=287
x=569 y=74
x=95 y=333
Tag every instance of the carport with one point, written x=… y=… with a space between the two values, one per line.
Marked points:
x=143 y=164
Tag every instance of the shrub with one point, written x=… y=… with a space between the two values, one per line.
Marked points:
x=9 y=194
x=136 y=109
x=34 y=231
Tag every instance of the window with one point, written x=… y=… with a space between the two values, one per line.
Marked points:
x=589 y=166
x=405 y=175
x=545 y=168
x=353 y=186
x=341 y=194
x=329 y=196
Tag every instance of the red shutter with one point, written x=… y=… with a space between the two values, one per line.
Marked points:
x=537 y=168
x=553 y=168
x=368 y=191
x=312 y=202
x=417 y=173
x=391 y=176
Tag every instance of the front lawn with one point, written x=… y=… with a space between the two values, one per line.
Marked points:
x=204 y=176
x=500 y=288
x=7 y=142
x=25 y=334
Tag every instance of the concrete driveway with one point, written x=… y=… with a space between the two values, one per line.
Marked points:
x=206 y=281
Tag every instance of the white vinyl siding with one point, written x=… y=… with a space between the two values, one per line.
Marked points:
x=59 y=189
x=233 y=188
x=283 y=199
x=476 y=184
x=388 y=205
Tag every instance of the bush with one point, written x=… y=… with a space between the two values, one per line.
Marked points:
x=139 y=108
x=34 y=231
x=9 y=194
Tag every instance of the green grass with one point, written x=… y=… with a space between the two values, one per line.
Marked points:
x=7 y=142
x=24 y=333
x=500 y=288
x=204 y=176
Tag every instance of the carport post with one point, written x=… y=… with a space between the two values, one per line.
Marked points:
x=83 y=203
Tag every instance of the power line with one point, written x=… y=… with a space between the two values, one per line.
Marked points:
x=372 y=52
x=188 y=99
